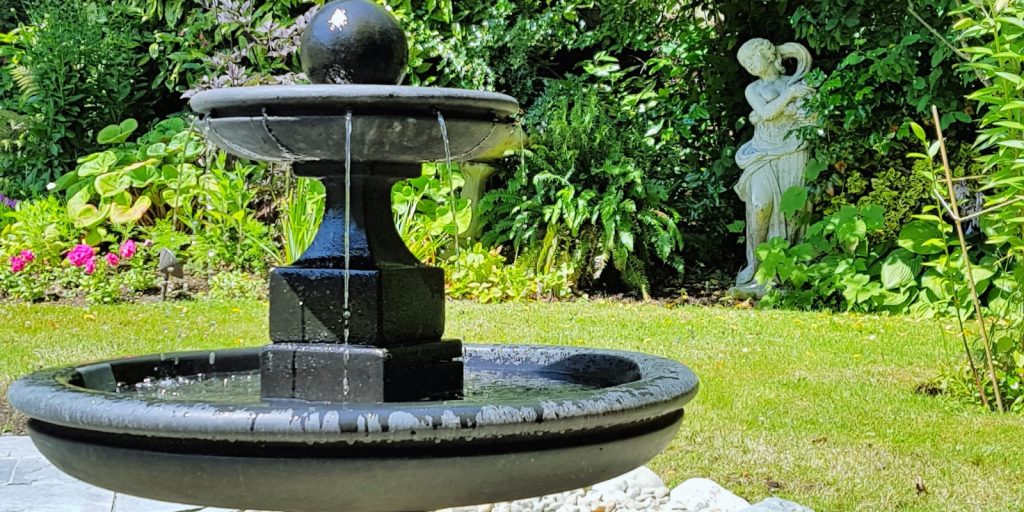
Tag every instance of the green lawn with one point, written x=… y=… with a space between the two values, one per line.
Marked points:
x=817 y=408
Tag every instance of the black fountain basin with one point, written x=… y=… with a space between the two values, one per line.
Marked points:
x=535 y=420
x=390 y=123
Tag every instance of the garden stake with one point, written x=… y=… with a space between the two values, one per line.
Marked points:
x=967 y=348
x=967 y=261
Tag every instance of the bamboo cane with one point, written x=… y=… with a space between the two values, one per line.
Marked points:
x=957 y=221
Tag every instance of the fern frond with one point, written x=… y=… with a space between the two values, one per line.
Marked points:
x=25 y=81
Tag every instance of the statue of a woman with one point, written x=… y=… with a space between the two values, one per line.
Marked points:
x=774 y=160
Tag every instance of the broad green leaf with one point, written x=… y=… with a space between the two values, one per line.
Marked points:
x=921 y=237
x=851 y=233
x=1010 y=77
x=66 y=181
x=919 y=132
x=121 y=213
x=131 y=167
x=982 y=273
x=117 y=133
x=896 y=300
x=874 y=216
x=1005 y=344
x=174 y=124
x=793 y=200
x=804 y=251
x=1014 y=125
x=111 y=184
x=940 y=287
x=814 y=169
x=79 y=201
x=899 y=269
x=90 y=216
x=158 y=150
x=655 y=129
x=142 y=177
x=99 y=165
x=95 y=236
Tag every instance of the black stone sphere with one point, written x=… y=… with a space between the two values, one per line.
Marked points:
x=354 y=42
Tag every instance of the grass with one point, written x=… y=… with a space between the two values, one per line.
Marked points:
x=820 y=409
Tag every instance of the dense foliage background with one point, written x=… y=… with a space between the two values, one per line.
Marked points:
x=632 y=112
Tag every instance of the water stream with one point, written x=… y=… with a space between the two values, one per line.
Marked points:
x=451 y=182
x=346 y=310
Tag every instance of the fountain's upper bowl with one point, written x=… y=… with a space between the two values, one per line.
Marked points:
x=390 y=123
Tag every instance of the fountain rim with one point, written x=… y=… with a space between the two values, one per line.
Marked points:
x=664 y=387
x=363 y=99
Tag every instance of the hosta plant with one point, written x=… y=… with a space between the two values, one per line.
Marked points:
x=134 y=182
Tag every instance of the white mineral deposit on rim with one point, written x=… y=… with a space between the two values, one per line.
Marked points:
x=450 y=420
x=368 y=423
x=401 y=420
x=505 y=414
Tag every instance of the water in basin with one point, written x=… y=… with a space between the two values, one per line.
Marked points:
x=243 y=388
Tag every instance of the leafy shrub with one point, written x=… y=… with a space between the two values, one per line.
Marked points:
x=423 y=212
x=837 y=267
x=301 y=212
x=122 y=271
x=423 y=216
x=991 y=32
x=169 y=175
x=899 y=192
x=484 y=276
x=581 y=193
x=235 y=285
x=226 y=235
x=74 y=70
x=40 y=225
x=204 y=44
x=135 y=182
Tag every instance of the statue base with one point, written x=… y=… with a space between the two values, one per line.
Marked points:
x=748 y=291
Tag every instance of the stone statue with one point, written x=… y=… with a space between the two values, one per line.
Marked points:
x=774 y=160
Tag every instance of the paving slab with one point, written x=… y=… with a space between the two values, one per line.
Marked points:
x=37 y=471
x=7 y=470
x=29 y=483
x=128 y=503
x=17 y=446
x=67 y=496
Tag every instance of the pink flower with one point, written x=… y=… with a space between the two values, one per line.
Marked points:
x=112 y=259
x=28 y=255
x=80 y=255
x=18 y=264
x=127 y=249
x=90 y=266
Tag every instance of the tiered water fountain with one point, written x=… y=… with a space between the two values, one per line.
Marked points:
x=357 y=404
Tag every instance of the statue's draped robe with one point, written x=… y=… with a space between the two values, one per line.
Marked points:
x=772 y=162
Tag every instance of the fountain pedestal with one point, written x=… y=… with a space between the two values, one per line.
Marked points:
x=395 y=304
